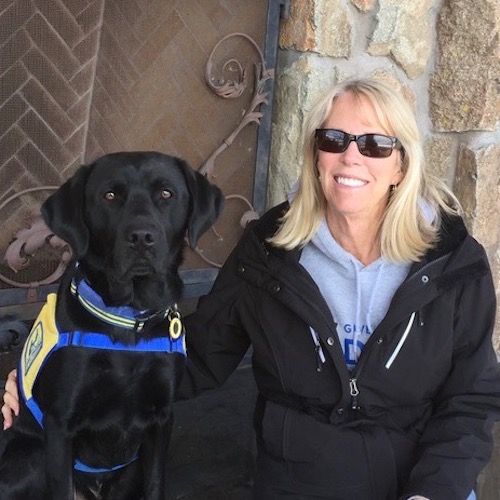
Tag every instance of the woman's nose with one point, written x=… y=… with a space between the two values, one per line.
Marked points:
x=352 y=154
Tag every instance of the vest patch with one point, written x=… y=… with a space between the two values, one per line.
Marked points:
x=42 y=339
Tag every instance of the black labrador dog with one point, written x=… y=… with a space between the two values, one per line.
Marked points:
x=99 y=370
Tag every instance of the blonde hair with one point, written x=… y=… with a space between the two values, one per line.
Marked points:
x=405 y=233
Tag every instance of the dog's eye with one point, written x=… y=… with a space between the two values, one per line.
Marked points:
x=166 y=194
x=110 y=196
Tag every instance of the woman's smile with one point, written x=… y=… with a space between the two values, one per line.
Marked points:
x=349 y=181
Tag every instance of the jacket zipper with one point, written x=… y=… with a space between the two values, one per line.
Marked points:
x=354 y=391
x=402 y=340
x=353 y=381
x=320 y=355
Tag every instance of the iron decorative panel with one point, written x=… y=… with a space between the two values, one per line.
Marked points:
x=81 y=79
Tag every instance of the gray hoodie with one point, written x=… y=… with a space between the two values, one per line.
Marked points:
x=358 y=295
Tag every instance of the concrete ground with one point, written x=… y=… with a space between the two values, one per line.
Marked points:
x=211 y=455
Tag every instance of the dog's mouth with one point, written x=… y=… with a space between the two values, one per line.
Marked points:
x=138 y=279
x=126 y=268
x=140 y=270
x=144 y=290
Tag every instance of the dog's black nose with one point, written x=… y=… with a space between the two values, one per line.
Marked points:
x=141 y=237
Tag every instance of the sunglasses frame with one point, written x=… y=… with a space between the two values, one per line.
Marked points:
x=395 y=142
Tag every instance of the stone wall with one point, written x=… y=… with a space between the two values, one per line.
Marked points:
x=444 y=55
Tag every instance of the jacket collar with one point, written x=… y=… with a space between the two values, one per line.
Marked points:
x=452 y=233
x=266 y=227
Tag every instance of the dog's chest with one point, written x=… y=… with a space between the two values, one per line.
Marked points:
x=137 y=388
x=90 y=376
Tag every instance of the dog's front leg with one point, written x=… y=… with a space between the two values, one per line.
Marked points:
x=58 y=460
x=154 y=459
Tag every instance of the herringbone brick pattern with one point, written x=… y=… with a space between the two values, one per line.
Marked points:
x=149 y=87
x=80 y=78
x=150 y=92
x=47 y=60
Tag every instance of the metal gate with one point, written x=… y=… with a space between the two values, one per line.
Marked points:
x=81 y=78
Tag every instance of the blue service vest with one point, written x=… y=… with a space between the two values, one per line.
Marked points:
x=45 y=339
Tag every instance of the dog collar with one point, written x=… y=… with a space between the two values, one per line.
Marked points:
x=124 y=316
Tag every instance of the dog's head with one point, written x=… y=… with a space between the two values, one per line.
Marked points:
x=126 y=215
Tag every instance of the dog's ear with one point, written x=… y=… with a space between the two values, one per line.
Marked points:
x=63 y=212
x=207 y=202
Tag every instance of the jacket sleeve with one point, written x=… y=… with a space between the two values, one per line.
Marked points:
x=216 y=341
x=457 y=442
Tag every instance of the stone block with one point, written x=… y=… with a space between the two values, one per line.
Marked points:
x=297 y=88
x=403 y=31
x=320 y=26
x=332 y=29
x=440 y=154
x=463 y=90
x=297 y=32
x=477 y=186
x=364 y=5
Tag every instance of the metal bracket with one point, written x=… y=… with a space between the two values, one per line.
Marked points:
x=13 y=334
x=285 y=9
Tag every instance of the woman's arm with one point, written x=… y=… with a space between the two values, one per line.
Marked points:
x=216 y=341
x=457 y=442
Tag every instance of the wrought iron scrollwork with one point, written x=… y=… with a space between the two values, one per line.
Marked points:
x=29 y=241
x=232 y=89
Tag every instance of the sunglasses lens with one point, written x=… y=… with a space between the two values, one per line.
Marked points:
x=375 y=145
x=372 y=145
x=331 y=141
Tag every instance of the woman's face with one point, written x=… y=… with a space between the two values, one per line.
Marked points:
x=357 y=186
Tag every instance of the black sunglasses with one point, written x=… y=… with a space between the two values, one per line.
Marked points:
x=372 y=145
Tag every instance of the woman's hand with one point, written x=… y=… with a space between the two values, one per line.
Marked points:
x=10 y=400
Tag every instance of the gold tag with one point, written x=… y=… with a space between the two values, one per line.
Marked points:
x=175 y=328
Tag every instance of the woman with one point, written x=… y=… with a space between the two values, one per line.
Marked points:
x=370 y=311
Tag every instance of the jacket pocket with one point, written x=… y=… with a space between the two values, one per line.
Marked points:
x=324 y=454
x=318 y=457
x=273 y=428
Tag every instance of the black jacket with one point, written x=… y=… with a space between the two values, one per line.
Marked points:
x=421 y=420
